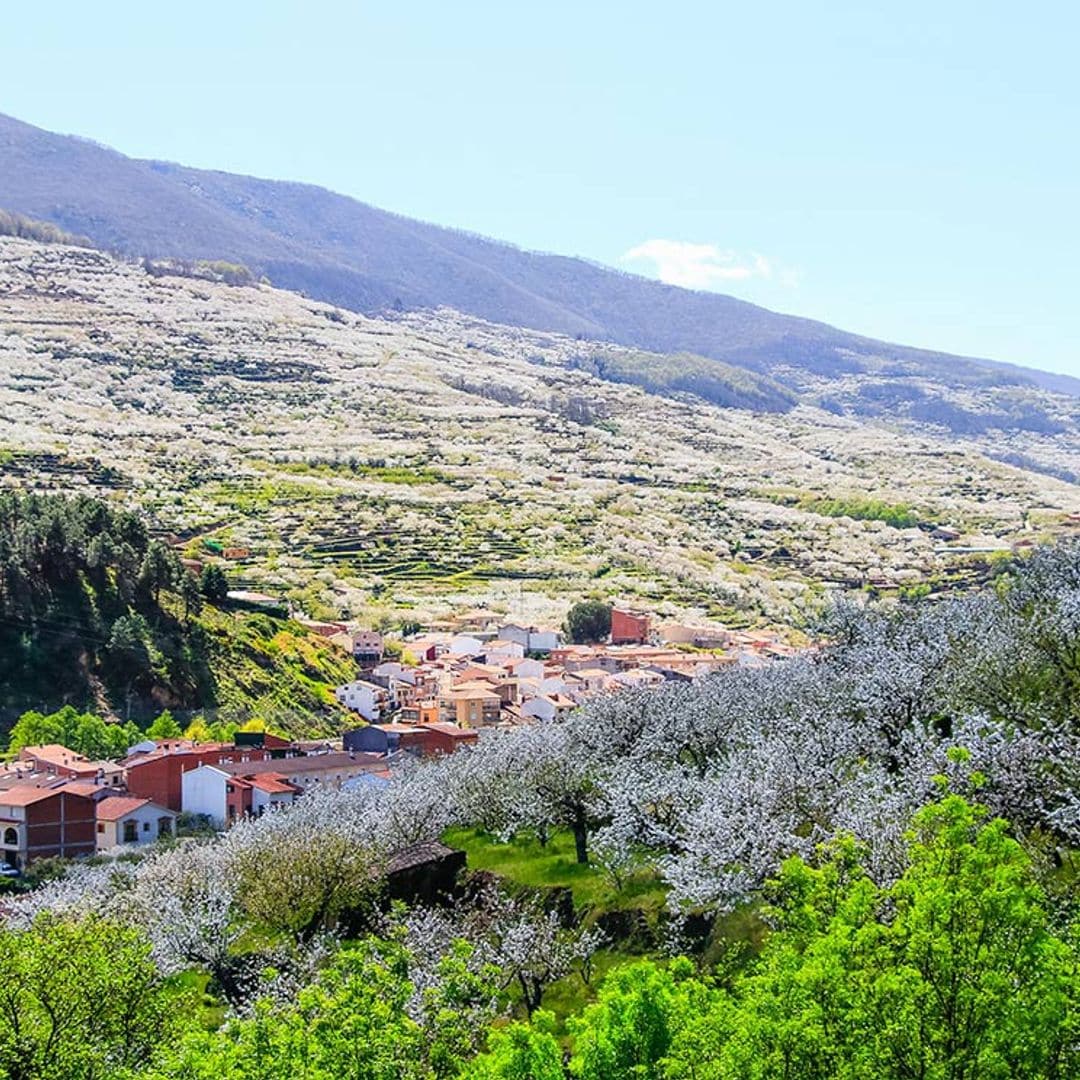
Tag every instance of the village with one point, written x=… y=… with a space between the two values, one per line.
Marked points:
x=446 y=684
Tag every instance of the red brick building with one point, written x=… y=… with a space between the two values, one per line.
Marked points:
x=629 y=629
x=445 y=738
x=38 y=822
x=157 y=776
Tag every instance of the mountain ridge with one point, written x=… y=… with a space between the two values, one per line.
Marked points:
x=348 y=253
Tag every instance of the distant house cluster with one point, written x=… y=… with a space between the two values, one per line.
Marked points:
x=482 y=672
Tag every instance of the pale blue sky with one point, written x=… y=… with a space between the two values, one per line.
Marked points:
x=907 y=170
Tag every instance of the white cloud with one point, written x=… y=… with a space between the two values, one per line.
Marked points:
x=700 y=266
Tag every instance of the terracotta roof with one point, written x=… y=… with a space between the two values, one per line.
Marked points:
x=273 y=784
x=88 y=788
x=117 y=806
x=25 y=795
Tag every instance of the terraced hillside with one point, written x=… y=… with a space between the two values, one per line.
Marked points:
x=394 y=468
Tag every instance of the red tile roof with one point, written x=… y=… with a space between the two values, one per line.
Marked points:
x=116 y=807
x=24 y=795
x=273 y=784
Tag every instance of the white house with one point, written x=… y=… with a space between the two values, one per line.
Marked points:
x=499 y=649
x=268 y=791
x=369 y=700
x=539 y=708
x=543 y=641
x=205 y=791
x=527 y=669
x=548 y=707
x=124 y=819
x=465 y=645
x=529 y=637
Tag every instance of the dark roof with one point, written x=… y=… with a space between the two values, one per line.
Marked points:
x=427 y=851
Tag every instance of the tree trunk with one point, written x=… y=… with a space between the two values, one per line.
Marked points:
x=581 y=839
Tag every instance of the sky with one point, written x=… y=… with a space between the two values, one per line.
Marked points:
x=910 y=171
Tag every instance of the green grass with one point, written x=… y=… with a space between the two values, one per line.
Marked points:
x=524 y=861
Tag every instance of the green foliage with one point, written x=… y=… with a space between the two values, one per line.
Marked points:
x=91 y=605
x=80 y=999
x=351 y=1022
x=164 y=727
x=898 y=515
x=719 y=383
x=84 y=733
x=44 y=232
x=213 y=583
x=955 y=971
x=628 y=1033
x=521 y=1052
x=588 y=621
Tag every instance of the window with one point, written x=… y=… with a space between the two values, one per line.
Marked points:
x=101 y=826
x=11 y=838
x=146 y=826
x=131 y=832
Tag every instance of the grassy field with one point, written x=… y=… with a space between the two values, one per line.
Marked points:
x=525 y=861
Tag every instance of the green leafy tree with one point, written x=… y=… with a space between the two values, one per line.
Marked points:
x=159 y=570
x=213 y=583
x=588 y=621
x=84 y=733
x=952 y=973
x=164 y=727
x=628 y=1033
x=521 y=1052
x=955 y=972
x=191 y=595
x=80 y=999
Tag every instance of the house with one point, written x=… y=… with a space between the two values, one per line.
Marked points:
x=513 y=632
x=532 y=639
x=470 y=706
x=368 y=647
x=384 y=738
x=464 y=645
x=254 y=794
x=52 y=759
x=421 y=712
x=368 y=699
x=127 y=819
x=636 y=678
x=548 y=708
x=443 y=738
x=40 y=822
x=425 y=873
x=158 y=775
x=225 y=792
x=526 y=668
x=587 y=681
x=628 y=628
x=543 y=640
x=499 y=649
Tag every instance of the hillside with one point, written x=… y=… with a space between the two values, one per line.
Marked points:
x=398 y=468
x=358 y=257
x=96 y=613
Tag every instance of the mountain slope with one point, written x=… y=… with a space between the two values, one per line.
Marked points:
x=355 y=256
x=399 y=468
